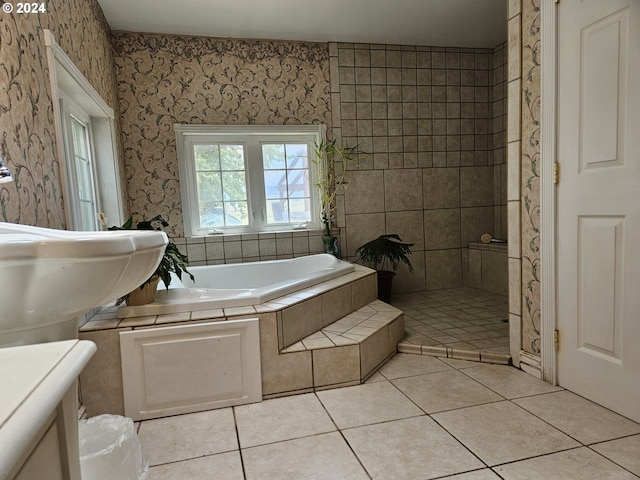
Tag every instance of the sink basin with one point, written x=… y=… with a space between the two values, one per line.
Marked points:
x=49 y=278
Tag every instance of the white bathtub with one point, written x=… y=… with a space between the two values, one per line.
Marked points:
x=241 y=284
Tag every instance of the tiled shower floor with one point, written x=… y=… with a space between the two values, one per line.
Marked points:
x=464 y=323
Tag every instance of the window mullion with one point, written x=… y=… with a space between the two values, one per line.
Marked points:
x=255 y=174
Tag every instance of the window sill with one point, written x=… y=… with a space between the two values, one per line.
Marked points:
x=257 y=235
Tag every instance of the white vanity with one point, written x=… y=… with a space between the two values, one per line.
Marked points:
x=52 y=278
x=39 y=410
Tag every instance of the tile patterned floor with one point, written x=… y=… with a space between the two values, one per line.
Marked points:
x=461 y=322
x=419 y=417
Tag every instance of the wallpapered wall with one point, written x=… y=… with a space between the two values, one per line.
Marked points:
x=530 y=188
x=28 y=142
x=523 y=137
x=167 y=79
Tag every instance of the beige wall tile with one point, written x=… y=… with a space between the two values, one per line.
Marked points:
x=408 y=225
x=515 y=286
x=364 y=291
x=475 y=268
x=232 y=250
x=336 y=304
x=336 y=365
x=365 y=193
x=214 y=251
x=281 y=373
x=513 y=171
x=250 y=248
x=101 y=379
x=373 y=351
x=514 y=89
x=514 y=8
x=442 y=229
x=515 y=337
x=495 y=272
x=513 y=211
x=441 y=187
x=474 y=221
x=301 y=320
x=284 y=246
x=444 y=269
x=196 y=252
x=361 y=229
x=403 y=189
x=476 y=186
x=514 y=41
x=396 y=332
x=267 y=247
x=301 y=245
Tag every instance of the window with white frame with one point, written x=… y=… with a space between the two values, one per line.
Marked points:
x=85 y=129
x=78 y=142
x=242 y=179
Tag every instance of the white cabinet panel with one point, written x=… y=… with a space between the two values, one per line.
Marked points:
x=190 y=368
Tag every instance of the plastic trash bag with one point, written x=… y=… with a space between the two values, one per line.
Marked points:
x=110 y=449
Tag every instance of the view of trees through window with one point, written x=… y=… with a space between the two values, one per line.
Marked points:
x=286 y=182
x=221 y=179
x=222 y=186
x=240 y=179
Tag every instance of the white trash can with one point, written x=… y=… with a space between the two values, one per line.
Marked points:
x=110 y=449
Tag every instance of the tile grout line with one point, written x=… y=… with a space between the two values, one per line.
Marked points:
x=240 y=453
x=610 y=459
x=339 y=430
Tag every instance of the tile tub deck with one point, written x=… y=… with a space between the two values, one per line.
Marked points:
x=330 y=335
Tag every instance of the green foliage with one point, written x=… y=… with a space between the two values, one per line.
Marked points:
x=384 y=252
x=327 y=155
x=172 y=260
x=220 y=177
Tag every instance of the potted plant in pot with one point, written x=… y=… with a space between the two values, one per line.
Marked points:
x=327 y=155
x=172 y=261
x=384 y=254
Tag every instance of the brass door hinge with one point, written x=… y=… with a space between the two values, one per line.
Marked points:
x=556 y=339
x=556 y=172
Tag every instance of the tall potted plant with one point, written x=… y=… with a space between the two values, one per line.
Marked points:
x=173 y=261
x=384 y=254
x=327 y=154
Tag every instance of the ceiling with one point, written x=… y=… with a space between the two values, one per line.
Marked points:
x=452 y=23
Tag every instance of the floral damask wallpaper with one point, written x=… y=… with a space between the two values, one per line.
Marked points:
x=530 y=188
x=27 y=137
x=167 y=79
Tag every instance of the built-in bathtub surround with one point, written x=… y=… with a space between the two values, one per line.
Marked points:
x=435 y=170
x=362 y=334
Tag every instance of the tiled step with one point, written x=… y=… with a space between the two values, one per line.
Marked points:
x=351 y=349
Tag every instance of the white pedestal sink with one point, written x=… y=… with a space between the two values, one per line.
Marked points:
x=49 y=278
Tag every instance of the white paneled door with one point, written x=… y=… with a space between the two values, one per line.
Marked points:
x=598 y=229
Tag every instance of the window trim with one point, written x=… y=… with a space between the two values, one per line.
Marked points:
x=187 y=135
x=65 y=77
